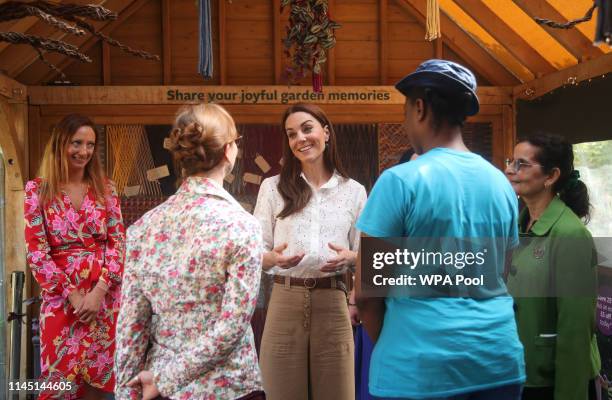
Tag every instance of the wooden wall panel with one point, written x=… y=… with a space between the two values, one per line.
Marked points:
x=407 y=45
x=357 y=56
x=250 y=57
x=143 y=31
x=87 y=73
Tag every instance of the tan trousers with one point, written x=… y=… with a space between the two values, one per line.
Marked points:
x=307 y=349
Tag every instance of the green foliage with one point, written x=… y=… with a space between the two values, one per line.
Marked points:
x=593 y=154
x=309 y=35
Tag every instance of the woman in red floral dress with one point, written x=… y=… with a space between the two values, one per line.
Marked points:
x=75 y=241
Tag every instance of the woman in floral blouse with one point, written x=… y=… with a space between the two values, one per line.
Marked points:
x=75 y=240
x=191 y=278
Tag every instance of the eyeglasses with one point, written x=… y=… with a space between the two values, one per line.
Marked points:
x=518 y=164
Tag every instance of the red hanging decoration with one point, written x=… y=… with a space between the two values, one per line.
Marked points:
x=317 y=79
x=310 y=34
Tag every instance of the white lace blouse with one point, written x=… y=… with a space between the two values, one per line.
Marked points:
x=329 y=216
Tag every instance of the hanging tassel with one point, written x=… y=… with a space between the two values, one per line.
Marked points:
x=603 y=31
x=205 y=63
x=433 y=20
x=317 y=82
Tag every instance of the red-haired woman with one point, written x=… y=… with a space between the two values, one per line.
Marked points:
x=75 y=241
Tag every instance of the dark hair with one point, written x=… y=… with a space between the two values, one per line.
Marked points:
x=449 y=107
x=406 y=156
x=555 y=151
x=295 y=191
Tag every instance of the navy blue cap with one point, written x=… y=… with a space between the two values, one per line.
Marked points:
x=444 y=75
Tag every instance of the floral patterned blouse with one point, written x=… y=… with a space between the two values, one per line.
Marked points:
x=189 y=290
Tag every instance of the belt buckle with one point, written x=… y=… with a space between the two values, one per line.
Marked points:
x=314 y=283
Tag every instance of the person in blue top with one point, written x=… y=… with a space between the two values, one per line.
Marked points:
x=460 y=348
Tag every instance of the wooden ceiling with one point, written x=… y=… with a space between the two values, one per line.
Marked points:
x=498 y=38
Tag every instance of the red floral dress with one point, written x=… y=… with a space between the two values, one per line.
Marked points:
x=70 y=250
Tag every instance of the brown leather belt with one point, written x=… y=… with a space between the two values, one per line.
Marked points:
x=330 y=282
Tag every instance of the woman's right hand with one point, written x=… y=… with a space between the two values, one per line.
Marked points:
x=75 y=298
x=353 y=311
x=276 y=258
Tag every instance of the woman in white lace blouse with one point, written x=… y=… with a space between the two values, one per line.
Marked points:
x=308 y=216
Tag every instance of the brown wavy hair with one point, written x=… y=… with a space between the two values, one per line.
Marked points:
x=54 y=165
x=198 y=138
x=295 y=191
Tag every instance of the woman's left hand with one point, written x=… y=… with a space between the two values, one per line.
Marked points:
x=90 y=305
x=345 y=258
x=145 y=380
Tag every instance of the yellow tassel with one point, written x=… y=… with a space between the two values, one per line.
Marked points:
x=433 y=20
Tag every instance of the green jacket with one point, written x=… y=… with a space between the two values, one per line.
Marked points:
x=553 y=279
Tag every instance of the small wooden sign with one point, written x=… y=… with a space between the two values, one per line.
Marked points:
x=262 y=164
x=252 y=178
x=131 y=191
x=158 y=173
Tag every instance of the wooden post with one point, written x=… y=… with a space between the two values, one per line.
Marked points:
x=331 y=53
x=166 y=42
x=383 y=40
x=276 y=37
x=222 y=44
x=106 y=64
x=439 y=46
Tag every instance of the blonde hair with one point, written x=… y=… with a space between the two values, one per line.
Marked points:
x=198 y=138
x=54 y=165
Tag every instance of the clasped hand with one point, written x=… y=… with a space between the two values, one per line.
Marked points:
x=87 y=307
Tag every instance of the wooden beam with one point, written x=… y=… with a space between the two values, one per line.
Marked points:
x=159 y=95
x=12 y=90
x=507 y=36
x=276 y=37
x=576 y=43
x=107 y=29
x=383 y=41
x=20 y=26
x=106 y=64
x=474 y=29
x=461 y=43
x=576 y=9
x=331 y=53
x=586 y=70
x=222 y=44
x=9 y=142
x=166 y=42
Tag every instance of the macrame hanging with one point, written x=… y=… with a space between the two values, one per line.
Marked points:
x=69 y=18
x=432 y=31
x=205 y=63
x=603 y=30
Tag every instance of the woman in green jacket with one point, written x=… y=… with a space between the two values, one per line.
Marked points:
x=553 y=272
